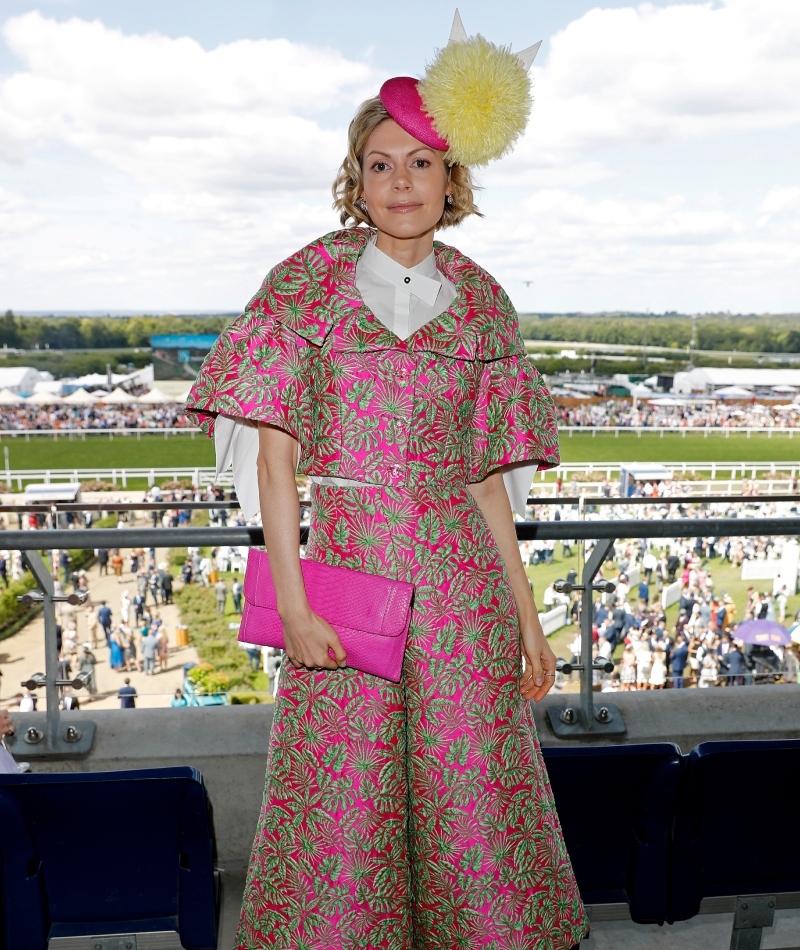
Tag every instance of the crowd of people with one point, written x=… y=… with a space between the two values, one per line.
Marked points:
x=700 y=648
x=716 y=414
x=606 y=413
x=68 y=418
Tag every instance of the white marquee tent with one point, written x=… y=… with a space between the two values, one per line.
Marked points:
x=44 y=399
x=7 y=398
x=118 y=397
x=79 y=398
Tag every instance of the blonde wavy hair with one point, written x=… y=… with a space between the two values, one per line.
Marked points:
x=349 y=184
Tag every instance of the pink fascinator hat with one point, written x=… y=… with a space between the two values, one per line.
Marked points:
x=473 y=102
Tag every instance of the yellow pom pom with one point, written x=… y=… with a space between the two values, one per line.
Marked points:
x=479 y=97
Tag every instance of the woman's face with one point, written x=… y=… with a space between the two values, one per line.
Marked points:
x=405 y=182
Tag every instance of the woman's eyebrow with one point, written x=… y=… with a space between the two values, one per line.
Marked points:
x=377 y=151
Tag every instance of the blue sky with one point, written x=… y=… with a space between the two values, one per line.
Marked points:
x=165 y=155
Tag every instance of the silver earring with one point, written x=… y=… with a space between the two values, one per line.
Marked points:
x=449 y=199
x=363 y=205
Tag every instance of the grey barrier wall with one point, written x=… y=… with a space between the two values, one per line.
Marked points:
x=228 y=744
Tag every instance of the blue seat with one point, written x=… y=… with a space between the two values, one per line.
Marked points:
x=616 y=805
x=735 y=833
x=91 y=853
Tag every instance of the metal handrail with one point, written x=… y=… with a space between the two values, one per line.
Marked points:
x=248 y=535
x=567 y=500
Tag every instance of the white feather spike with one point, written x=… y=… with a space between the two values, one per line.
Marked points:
x=527 y=56
x=457 y=34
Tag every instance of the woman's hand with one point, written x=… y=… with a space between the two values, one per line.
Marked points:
x=312 y=642
x=6 y=723
x=540 y=662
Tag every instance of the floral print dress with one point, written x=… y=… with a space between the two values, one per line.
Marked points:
x=418 y=815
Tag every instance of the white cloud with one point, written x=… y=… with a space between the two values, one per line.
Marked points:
x=649 y=75
x=244 y=116
x=16 y=215
x=223 y=160
x=621 y=252
x=783 y=203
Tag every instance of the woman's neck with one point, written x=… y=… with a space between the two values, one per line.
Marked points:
x=406 y=251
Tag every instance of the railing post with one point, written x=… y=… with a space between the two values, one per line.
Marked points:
x=593 y=565
x=44 y=581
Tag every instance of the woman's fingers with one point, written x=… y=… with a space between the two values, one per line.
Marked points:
x=316 y=647
x=539 y=676
x=548 y=661
x=335 y=647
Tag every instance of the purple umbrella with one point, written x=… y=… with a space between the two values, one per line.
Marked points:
x=763 y=632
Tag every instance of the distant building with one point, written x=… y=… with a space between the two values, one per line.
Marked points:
x=179 y=356
x=708 y=379
x=22 y=380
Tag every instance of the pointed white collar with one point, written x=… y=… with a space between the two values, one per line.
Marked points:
x=422 y=281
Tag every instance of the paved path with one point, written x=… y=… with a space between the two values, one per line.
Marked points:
x=23 y=654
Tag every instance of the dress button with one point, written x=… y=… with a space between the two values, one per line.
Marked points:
x=406 y=280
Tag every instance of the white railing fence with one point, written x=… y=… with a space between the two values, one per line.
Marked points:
x=76 y=434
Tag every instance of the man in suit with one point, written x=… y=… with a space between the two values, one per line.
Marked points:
x=680 y=657
x=733 y=664
x=127 y=695
x=104 y=619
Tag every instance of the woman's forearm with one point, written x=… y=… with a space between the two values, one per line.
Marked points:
x=280 y=516
x=492 y=499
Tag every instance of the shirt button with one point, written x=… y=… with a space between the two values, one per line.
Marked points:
x=406 y=280
x=396 y=470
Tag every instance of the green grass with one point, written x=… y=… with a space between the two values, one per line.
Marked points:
x=673 y=447
x=181 y=450
x=100 y=451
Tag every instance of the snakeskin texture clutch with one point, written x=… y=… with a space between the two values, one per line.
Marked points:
x=370 y=613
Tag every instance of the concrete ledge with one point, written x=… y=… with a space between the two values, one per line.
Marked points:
x=690 y=716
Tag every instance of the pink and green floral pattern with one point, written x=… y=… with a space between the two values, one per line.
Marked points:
x=454 y=401
x=411 y=816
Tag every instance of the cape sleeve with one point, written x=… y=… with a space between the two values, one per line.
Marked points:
x=514 y=426
x=257 y=370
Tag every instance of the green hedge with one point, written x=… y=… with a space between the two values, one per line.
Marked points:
x=251 y=699
x=13 y=614
x=215 y=643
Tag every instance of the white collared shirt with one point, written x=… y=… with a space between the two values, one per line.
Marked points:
x=403 y=299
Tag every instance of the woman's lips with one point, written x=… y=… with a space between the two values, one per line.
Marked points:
x=403 y=208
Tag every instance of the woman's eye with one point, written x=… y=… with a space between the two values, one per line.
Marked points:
x=421 y=163
x=379 y=167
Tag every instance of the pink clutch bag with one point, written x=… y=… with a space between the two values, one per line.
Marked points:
x=370 y=613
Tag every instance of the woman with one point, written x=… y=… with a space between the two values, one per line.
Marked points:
x=116 y=659
x=419 y=814
x=163 y=648
x=128 y=644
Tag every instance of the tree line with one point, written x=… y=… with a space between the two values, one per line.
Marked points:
x=745 y=333
x=750 y=333
x=88 y=333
